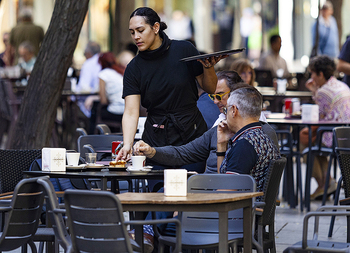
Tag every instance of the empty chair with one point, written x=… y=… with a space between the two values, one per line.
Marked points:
x=103 y=129
x=98 y=142
x=341 y=141
x=96 y=222
x=318 y=150
x=55 y=215
x=81 y=131
x=265 y=220
x=22 y=215
x=200 y=230
x=13 y=163
x=286 y=145
x=314 y=244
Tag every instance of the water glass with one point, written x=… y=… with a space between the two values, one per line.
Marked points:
x=90 y=158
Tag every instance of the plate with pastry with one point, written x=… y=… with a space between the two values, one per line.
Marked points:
x=117 y=165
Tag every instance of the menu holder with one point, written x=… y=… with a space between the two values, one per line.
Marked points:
x=220 y=53
x=175 y=182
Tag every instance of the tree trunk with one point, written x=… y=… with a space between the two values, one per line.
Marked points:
x=38 y=109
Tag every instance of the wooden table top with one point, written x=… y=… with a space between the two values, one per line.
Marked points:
x=191 y=198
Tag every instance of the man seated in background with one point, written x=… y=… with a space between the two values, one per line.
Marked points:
x=273 y=61
x=26 y=57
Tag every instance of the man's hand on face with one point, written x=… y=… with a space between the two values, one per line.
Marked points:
x=224 y=134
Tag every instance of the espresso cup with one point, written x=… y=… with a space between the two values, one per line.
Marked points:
x=73 y=158
x=138 y=161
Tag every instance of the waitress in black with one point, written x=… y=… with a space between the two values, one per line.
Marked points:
x=164 y=85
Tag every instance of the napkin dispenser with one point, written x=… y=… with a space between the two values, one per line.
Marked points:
x=310 y=113
x=175 y=182
x=53 y=159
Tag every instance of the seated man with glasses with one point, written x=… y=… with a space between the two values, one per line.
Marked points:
x=203 y=148
x=242 y=145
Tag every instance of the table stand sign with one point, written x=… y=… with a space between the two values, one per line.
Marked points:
x=53 y=159
x=175 y=182
x=310 y=113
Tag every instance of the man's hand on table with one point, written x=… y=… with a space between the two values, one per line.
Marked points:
x=142 y=148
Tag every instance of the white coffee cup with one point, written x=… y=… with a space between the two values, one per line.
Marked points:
x=73 y=158
x=138 y=161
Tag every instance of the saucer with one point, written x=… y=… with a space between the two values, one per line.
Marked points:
x=145 y=168
x=95 y=165
x=76 y=167
x=139 y=171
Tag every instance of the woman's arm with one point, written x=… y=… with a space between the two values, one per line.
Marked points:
x=130 y=121
x=208 y=79
x=102 y=93
x=343 y=66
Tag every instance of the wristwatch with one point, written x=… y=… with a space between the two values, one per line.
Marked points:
x=220 y=153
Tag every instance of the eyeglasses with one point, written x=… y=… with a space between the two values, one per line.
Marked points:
x=217 y=96
x=226 y=109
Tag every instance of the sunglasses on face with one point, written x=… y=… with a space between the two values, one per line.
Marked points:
x=217 y=96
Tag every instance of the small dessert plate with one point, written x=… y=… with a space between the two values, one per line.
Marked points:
x=95 y=165
x=76 y=167
x=139 y=171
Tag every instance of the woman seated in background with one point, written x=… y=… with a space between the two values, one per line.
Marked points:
x=333 y=98
x=245 y=70
x=111 y=88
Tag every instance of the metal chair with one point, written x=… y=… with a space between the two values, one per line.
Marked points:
x=318 y=150
x=341 y=141
x=22 y=216
x=266 y=218
x=103 y=129
x=287 y=149
x=98 y=142
x=81 y=131
x=97 y=224
x=55 y=215
x=200 y=230
x=13 y=163
x=316 y=245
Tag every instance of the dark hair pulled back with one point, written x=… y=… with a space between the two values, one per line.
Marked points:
x=150 y=16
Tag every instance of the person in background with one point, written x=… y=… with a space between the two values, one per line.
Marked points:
x=124 y=57
x=328 y=40
x=26 y=57
x=344 y=61
x=26 y=30
x=245 y=70
x=273 y=61
x=164 y=85
x=111 y=87
x=7 y=58
x=333 y=98
x=88 y=78
x=207 y=107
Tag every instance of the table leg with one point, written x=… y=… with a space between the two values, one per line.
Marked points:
x=247 y=229
x=139 y=230
x=104 y=184
x=223 y=234
x=308 y=172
